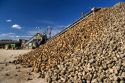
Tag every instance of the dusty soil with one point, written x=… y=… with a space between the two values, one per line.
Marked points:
x=15 y=73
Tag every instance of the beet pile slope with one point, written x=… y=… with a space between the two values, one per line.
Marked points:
x=93 y=50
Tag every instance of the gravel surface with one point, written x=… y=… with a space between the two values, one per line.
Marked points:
x=10 y=55
x=15 y=73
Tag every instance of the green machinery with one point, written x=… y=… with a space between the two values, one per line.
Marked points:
x=10 y=46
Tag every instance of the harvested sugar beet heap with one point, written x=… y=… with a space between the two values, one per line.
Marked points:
x=93 y=50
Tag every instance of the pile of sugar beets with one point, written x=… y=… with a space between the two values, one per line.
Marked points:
x=92 y=51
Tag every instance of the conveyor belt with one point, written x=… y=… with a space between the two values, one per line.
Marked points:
x=71 y=26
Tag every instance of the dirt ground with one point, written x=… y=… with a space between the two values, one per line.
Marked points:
x=15 y=73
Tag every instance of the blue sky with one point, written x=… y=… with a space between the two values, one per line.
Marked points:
x=19 y=18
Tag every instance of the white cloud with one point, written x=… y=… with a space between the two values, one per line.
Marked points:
x=16 y=26
x=33 y=32
x=7 y=35
x=9 y=20
x=24 y=37
x=55 y=31
x=13 y=36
